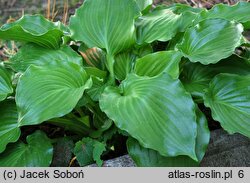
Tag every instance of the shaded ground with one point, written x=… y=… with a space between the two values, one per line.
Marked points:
x=16 y=8
x=199 y=3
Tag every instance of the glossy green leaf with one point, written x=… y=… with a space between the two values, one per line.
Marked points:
x=211 y=40
x=99 y=79
x=142 y=51
x=9 y=130
x=203 y=134
x=35 y=29
x=56 y=94
x=144 y=4
x=144 y=157
x=5 y=83
x=196 y=77
x=149 y=158
x=37 y=152
x=143 y=107
x=88 y=150
x=100 y=119
x=238 y=12
x=97 y=88
x=77 y=125
x=161 y=25
x=181 y=8
x=175 y=41
x=31 y=54
x=159 y=62
x=123 y=64
x=93 y=71
x=105 y=24
x=228 y=97
x=102 y=124
x=246 y=25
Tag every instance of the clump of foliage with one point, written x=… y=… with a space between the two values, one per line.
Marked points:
x=105 y=74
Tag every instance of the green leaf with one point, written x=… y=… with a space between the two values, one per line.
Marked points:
x=159 y=62
x=175 y=41
x=211 y=40
x=99 y=148
x=9 y=130
x=123 y=64
x=105 y=24
x=79 y=126
x=142 y=51
x=161 y=25
x=99 y=79
x=144 y=4
x=31 y=54
x=203 y=134
x=196 y=77
x=97 y=88
x=37 y=152
x=182 y=8
x=239 y=12
x=228 y=96
x=95 y=72
x=88 y=150
x=144 y=108
x=56 y=94
x=35 y=29
x=246 y=25
x=101 y=122
x=149 y=158
x=5 y=83
x=144 y=157
x=100 y=119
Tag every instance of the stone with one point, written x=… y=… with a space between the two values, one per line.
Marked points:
x=62 y=153
x=227 y=150
x=122 y=161
x=224 y=150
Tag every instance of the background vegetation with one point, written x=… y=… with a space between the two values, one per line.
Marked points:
x=13 y=9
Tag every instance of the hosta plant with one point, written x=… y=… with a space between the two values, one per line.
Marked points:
x=122 y=69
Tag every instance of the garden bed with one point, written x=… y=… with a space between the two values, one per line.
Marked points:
x=152 y=82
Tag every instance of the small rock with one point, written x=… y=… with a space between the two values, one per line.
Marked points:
x=123 y=161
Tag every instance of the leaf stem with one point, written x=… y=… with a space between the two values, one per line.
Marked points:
x=80 y=112
x=71 y=125
x=110 y=66
x=198 y=100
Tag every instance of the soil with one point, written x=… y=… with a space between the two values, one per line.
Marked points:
x=198 y=3
x=14 y=9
